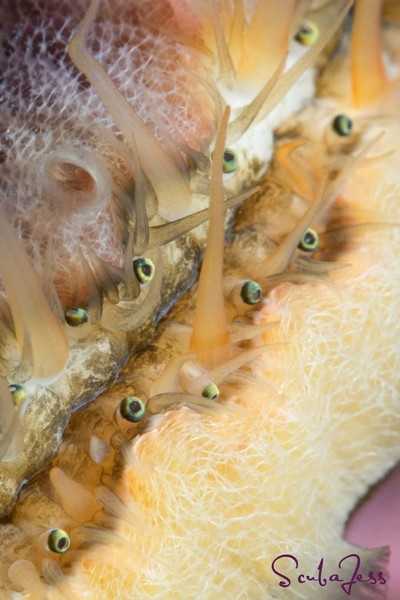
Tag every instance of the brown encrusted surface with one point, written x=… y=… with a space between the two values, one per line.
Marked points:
x=98 y=356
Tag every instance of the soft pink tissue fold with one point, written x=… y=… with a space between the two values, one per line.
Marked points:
x=376 y=522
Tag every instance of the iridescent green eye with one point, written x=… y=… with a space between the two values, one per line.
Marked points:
x=58 y=541
x=76 y=316
x=309 y=241
x=18 y=393
x=308 y=33
x=251 y=292
x=211 y=391
x=342 y=125
x=144 y=270
x=132 y=409
x=230 y=161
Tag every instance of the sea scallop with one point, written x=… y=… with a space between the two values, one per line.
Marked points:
x=251 y=426
x=96 y=177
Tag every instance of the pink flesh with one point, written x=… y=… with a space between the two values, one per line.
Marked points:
x=376 y=523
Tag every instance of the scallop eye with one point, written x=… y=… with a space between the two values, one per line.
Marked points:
x=211 y=391
x=309 y=241
x=76 y=316
x=251 y=292
x=144 y=270
x=230 y=161
x=342 y=125
x=18 y=393
x=132 y=409
x=308 y=34
x=58 y=541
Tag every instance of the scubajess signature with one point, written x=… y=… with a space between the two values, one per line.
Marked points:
x=284 y=562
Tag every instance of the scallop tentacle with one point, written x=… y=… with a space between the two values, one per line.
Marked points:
x=41 y=340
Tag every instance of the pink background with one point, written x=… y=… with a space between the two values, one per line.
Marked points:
x=376 y=522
